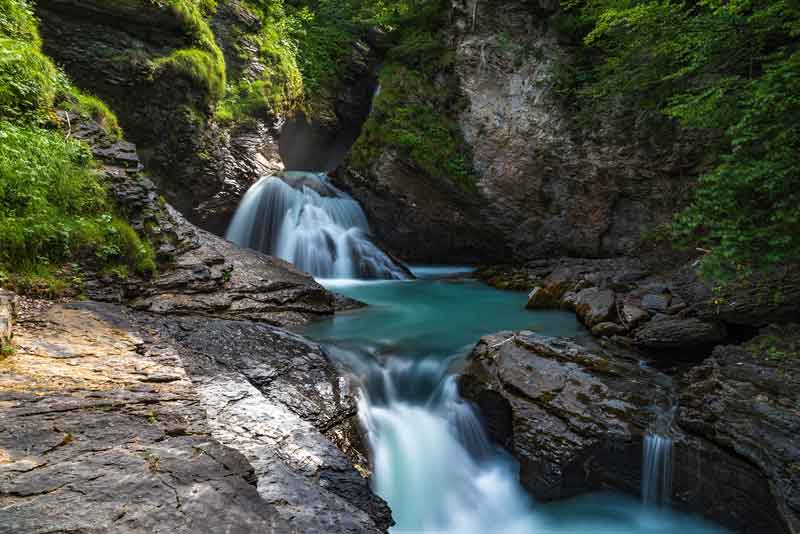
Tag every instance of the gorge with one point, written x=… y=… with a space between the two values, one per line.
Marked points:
x=412 y=267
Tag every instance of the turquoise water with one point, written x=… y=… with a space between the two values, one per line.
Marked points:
x=432 y=461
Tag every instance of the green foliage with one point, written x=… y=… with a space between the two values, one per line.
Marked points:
x=90 y=107
x=413 y=114
x=52 y=207
x=729 y=71
x=205 y=69
x=28 y=82
x=407 y=117
x=18 y=22
x=203 y=62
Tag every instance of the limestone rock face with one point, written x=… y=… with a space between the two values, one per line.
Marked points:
x=575 y=418
x=118 y=421
x=101 y=433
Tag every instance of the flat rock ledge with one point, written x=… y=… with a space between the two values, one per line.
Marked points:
x=575 y=418
x=124 y=422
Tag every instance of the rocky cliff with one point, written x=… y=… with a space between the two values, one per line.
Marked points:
x=543 y=185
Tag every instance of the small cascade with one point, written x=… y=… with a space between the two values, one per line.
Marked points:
x=657 y=459
x=302 y=218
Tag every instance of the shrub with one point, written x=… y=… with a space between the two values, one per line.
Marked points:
x=28 y=82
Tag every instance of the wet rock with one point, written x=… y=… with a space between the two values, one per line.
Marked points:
x=574 y=418
x=608 y=329
x=747 y=399
x=552 y=290
x=656 y=303
x=594 y=306
x=345 y=303
x=665 y=333
x=633 y=315
x=563 y=410
x=276 y=398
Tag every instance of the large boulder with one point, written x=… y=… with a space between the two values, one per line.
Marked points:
x=553 y=288
x=675 y=333
x=575 y=418
x=594 y=306
x=563 y=410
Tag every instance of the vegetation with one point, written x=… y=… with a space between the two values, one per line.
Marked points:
x=203 y=62
x=726 y=71
x=414 y=114
x=53 y=208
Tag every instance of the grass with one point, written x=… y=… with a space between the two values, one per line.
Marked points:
x=202 y=63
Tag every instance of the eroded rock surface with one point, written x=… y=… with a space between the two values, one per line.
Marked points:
x=575 y=419
x=118 y=421
x=747 y=399
x=100 y=432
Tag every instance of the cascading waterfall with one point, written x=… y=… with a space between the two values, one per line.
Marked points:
x=657 y=459
x=431 y=458
x=302 y=218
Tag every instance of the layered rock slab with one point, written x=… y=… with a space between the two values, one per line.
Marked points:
x=575 y=419
x=105 y=431
x=99 y=433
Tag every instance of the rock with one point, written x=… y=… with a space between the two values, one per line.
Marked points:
x=561 y=409
x=275 y=397
x=345 y=303
x=235 y=433
x=656 y=303
x=633 y=315
x=574 y=418
x=665 y=333
x=608 y=329
x=8 y=312
x=746 y=399
x=85 y=447
x=552 y=290
x=569 y=301
x=421 y=218
x=595 y=306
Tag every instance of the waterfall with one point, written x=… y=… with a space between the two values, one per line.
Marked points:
x=657 y=459
x=432 y=459
x=302 y=218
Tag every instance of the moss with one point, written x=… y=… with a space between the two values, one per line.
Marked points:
x=409 y=116
x=205 y=69
x=6 y=350
x=90 y=107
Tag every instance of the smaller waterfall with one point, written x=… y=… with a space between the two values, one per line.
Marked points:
x=302 y=218
x=657 y=459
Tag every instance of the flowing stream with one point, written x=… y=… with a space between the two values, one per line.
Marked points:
x=304 y=219
x=432 y=460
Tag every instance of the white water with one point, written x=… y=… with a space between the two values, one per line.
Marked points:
x=657 y=458
x=302 y=218
x=432 y=460
x=657 y=470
